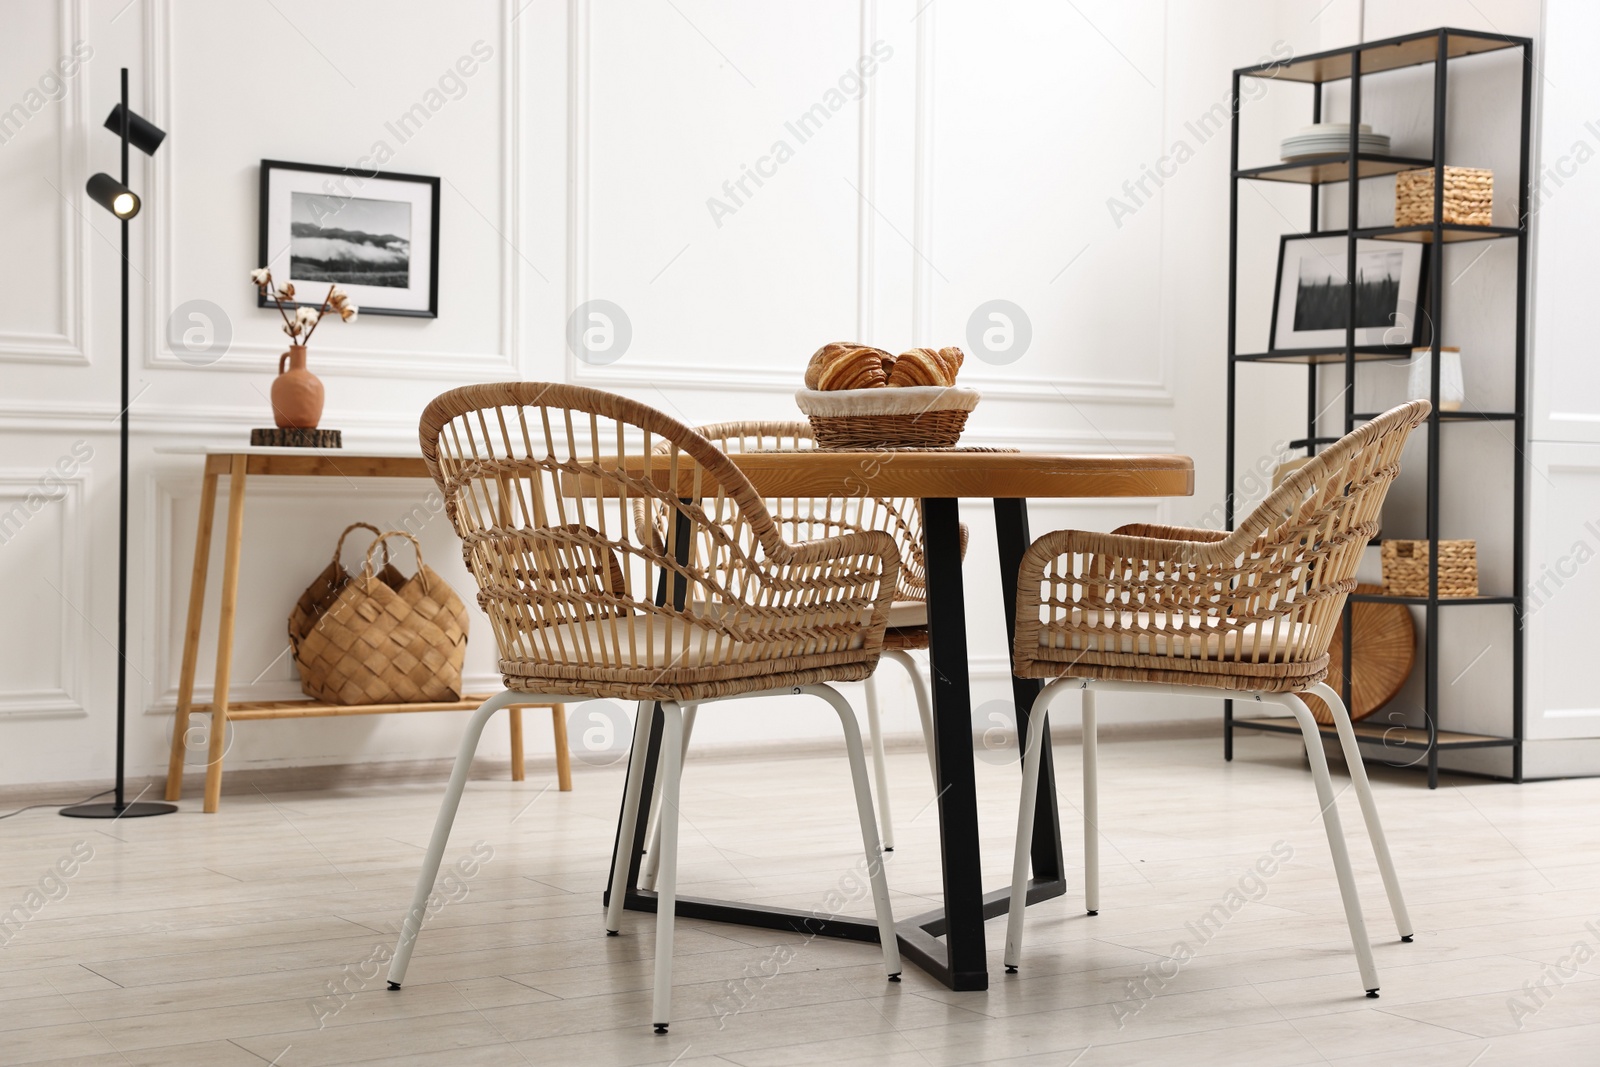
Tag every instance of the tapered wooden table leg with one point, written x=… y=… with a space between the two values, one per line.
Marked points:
x=558 y=717
x=517 y=768
x=230 y=602
x=191 y=636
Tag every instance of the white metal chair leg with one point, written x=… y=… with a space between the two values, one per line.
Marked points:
x=1335 y=830
x=412 y=923
x=1031 y=759
x=1091 y=805
x=672 y=741
x=869 y=826
x=880 y=772
x=1369 y=807
x=919 y=690
x=652 y=856
x=630 y=815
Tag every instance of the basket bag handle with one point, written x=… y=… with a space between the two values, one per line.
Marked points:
x=338 y=549
x=366 y=567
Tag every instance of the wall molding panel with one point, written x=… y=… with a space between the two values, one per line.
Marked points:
x=65 y=700
x=65 y=347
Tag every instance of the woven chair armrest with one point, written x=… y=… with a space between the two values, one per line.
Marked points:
x=1160 y=532
x=870 y=543
x=1117 y=548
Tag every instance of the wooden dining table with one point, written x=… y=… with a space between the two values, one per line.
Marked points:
x=941 y=479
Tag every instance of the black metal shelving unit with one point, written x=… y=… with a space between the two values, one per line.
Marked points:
x=1437 y=47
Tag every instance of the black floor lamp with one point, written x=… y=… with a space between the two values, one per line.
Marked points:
x=117 y=198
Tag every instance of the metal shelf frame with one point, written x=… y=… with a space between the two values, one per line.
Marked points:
x=1437 y=47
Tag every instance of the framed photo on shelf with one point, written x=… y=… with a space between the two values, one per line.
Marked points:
x=1309 y=306
x=375 y=234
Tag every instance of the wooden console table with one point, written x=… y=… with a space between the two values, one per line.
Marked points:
x=239 y=464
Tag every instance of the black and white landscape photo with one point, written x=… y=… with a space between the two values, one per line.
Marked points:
x=1320 y=299
x=349 y=240
x=1312 y=304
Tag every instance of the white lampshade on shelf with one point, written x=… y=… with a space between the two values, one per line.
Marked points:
x=1452 y=387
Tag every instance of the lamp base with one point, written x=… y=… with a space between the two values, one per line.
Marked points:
x=137 y=810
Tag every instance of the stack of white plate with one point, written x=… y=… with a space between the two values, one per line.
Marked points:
x=1332 y=138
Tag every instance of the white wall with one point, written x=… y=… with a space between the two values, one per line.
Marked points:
x=577 y=164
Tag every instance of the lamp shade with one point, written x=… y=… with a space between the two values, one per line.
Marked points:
x=113 y=196
x=143 y=134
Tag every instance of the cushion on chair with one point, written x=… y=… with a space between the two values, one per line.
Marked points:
x=1162 y=634
x=906 y=613
x=661 y=641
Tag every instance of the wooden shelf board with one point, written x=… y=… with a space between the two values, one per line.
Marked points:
x=1412 y=50
x=1333 y=167
x=1452 y=233
x=1461 y=416
x=1364 y=354
x=1385 y=598
x=1385 y=734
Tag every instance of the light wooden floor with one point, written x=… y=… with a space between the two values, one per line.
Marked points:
x=221 y=940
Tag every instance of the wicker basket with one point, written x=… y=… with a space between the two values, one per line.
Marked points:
x=903 y=417
x=1405 y=568
x=379 y=638
x=1468 y=197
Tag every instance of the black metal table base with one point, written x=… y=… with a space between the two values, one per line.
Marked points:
x=918 y=936
x=947 y=943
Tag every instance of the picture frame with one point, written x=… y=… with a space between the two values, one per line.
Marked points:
x=1309 y=304
x=373 y=233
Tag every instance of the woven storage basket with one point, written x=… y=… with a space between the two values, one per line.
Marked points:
x=1405 y=568
x=921 y=416
x=1468 y=197
x=380 y=638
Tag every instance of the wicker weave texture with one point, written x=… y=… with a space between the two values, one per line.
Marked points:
x=1468 y=197
x=1249 y=610
x=710 y=601
x=1405 y=568
x=808 y=518
x=380 y=638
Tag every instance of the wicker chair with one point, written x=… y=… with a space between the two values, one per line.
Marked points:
x=802 y=519
x=1246 y=615
x=539 y=480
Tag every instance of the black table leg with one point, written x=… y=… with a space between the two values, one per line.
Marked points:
x=1049 y=869
x=965 y=962
x=681 y=536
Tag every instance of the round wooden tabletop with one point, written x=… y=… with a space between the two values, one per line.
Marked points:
x=935 y=474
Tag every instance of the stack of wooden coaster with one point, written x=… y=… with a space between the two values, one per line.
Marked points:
x=281 y=437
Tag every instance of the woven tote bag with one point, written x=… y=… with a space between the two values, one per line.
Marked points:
x=319 y=595
x=381 y=638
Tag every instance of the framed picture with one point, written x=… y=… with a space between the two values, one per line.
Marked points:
x=372 y=233
x=1309 y=308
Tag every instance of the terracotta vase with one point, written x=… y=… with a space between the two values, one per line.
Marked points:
x=296 y=392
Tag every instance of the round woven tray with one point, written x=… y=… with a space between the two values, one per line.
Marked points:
x=1383 y=648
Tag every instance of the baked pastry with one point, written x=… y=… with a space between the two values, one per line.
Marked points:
x=846 y=365
x=926 y=366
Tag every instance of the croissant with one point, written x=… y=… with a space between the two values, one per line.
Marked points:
x=926 y=366
x=847 y=365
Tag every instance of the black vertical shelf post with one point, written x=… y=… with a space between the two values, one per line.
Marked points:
x=1430 y=710
x=1519 y=475
x=1233 y=348
x=1352 y=223
x=1358 y=63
